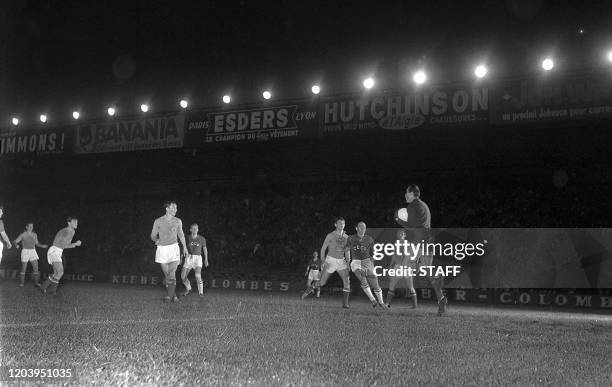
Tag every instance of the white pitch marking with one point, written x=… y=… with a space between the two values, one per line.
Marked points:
x=110 y=322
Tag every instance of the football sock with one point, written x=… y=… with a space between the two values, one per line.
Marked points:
x=200 y=284
x=345 y=298
x=368 y=293
x=413 y=300
x=379 y=295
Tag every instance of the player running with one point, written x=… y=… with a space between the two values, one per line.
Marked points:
x=359 y=247
x=313 y=272
x=197 y=248
x=335 y=261
x=63 y=240
x=400 y=262
x=3 y=234
x=166 y=230
x=29 y=242
x=419 y=221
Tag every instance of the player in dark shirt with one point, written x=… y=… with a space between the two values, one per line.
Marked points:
x=419 y=228
x=360 y=249
x=196 y=245
x=313 y=272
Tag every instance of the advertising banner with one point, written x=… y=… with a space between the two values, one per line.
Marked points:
x=131 y=134
x=215 y=280
x=36 y=141
x=451 y=106
x=553 y=99
x=253 y=124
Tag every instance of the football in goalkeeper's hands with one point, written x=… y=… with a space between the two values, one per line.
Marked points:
x=402 y=214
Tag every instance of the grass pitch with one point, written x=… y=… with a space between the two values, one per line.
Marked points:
x=127 y=335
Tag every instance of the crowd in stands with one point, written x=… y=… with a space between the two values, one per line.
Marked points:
x=274 y=226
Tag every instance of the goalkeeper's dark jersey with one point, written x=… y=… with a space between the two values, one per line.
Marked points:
x=419 y=221
x=314 y=265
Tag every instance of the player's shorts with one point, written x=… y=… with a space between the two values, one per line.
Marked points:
x=29 y=255
x=192 y=261
x=168 y=254
x=362 y=264
x=314 y=275
x=54 y=254
x=1 y=248
x=334 y=264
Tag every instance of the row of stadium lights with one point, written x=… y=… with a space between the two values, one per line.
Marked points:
x=419 y=78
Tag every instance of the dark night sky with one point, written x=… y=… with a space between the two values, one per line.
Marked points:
x=56 y=55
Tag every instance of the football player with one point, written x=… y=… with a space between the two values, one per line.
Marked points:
x=334 y=251
x=419 y=222
x=359 y=247
x=313 y=273
x=62 y=240
x=166 y=230
x=197 y=249
x=29 y=242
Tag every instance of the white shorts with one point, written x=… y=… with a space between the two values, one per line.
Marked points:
x=168 y=254
x=365 y=265
x=192 y=261
x=314 y=275
x=54 y=254
x=334 y=264
x=29 y=255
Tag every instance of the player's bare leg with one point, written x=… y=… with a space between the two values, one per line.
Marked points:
x=198 y=276
x=164 y=267
x=22 y=274
x=411 y=292
x=391 y=293
x=317 y=290
x=317 y=284
x=169 y=270
x=50 y=284
x=346 y=284
x=437 y=284
x=186 y=282
x=35 y=273
x=365 y=286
